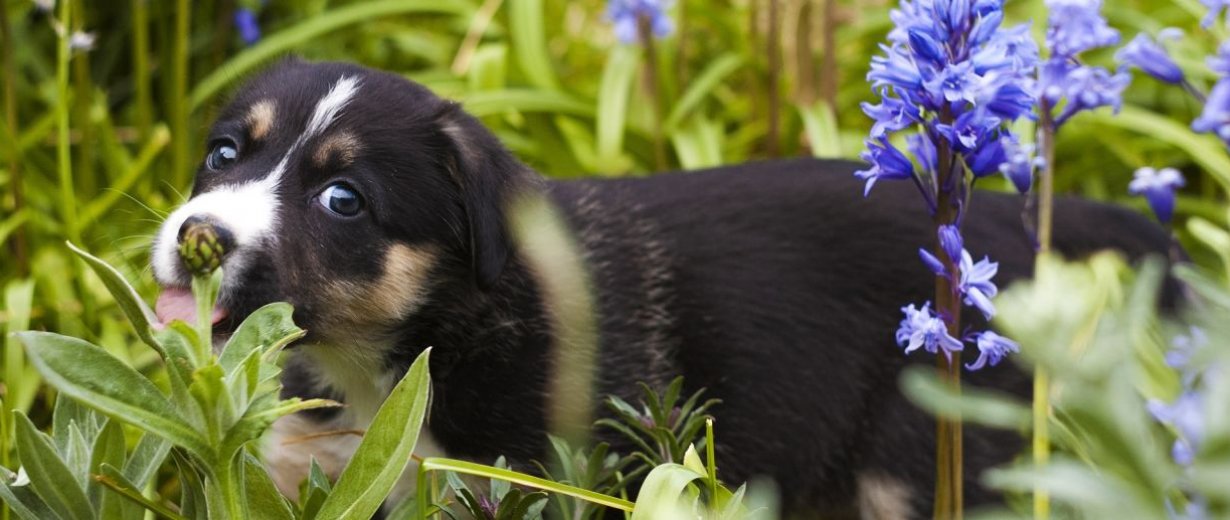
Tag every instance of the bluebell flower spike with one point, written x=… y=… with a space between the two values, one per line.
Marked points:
x=992 y=348
x=1148 y=55
x=1158 y=187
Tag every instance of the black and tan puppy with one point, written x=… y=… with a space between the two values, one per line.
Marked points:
x=379 y=211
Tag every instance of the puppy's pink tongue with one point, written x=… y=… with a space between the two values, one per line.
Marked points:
x=176 y=303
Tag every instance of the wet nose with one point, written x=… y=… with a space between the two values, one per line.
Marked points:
x=204 y=243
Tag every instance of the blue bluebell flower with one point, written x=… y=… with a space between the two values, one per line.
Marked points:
x=976 y=285
x=1020 y=165
x=1215 y=9
x=1215 y=117
x=933 y=264
x=1184 y=346
x=1158 y=187
x=886 y=161
x=1075 y=26
x=1186 y=416
x=1220 y=62
x=990 y=156
x=891 y=115
x=992 y=348
x=1147 y=55
x=627 y=14
x=1082 y=87
x=922 y=329
x=249 y=28
x=951 y=242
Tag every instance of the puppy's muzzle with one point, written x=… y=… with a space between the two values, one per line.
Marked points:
x=203 y=243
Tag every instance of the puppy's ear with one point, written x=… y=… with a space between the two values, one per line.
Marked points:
x=489 y=177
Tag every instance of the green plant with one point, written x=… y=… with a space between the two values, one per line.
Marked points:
x=215 y=407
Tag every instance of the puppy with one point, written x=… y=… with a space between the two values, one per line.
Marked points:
x=384 y=215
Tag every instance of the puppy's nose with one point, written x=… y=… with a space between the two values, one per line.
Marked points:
x=204 y=243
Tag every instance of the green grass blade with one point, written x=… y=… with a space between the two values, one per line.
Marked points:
x=287 y=40
x=613 y=92
x=94 y=377
x=20 y=382
x=480 y=104
x=702 y=86
x=1205 y=150
x=529 y=41
x=385 y=451
x=470 y=468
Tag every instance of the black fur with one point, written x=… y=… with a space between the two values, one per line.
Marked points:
x=775 y=285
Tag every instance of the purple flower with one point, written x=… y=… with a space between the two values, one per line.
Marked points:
x=990 y=156
x=992 y=348
x=1184 y=346
x=1215 y=9
x=1147 y=55
x=886 y=161
x=249 y=28
x=924 y=150
x=626 y=15
x=1083 y=87
x=1220 y=62
x=891 y=115
x=955 y=82
x=1020 y=164
x=1075 y=26
x=951 y=242
x=1158 y=187
x=922 y=329
x=1215 y=117
x=1012 y=50
x=1186 y=416
x=976 y=284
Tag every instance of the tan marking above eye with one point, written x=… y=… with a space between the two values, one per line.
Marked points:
x=342 y=146
x=260 y=119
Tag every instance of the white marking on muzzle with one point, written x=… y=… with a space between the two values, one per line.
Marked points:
x=249 y=209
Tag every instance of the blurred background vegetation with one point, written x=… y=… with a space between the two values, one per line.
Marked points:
x=106 y=105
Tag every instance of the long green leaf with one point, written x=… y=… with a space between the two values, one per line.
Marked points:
x=494 y=102
x=1206 y=150
x=613 y=93
x=21 y=499
x=385 y=451
x=661 y=493
x=49 y=475
x=94 y=377
x=263 y=328
x=130 y=302
x=115 y=481
x=470 y=468
x=705 y=83
x=286 y=40
x=20 y=383
x=529 y=41
x=264 y=499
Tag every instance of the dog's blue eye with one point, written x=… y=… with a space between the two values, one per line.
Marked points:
x=341 y=199
x=221 y=155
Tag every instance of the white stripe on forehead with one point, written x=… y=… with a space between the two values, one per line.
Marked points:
x=248 y=209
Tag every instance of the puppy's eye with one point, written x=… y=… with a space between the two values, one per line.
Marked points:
x=222 y=155
x=341 y=199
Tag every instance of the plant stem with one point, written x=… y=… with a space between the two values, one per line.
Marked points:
x=68 y=201
x=140 y=73
x=179 y=91
x=949 y=499
x=14 y=152
x=1042 y=392
x=230 y=483
x=773 y=50
x=645 y=32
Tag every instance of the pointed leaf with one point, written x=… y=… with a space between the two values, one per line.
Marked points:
x=49 y=475
x=264 y=499
x=130 y=302
x=145 y=460
x=663 y=491
x=22 y=499
x=267 y=326
x=109 y=448
x=385 y=451
x=91 y=375
x=115 y=482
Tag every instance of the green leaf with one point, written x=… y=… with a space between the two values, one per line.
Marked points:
x=661 y=493
x=115 y=481
x=820 y=122
x=480 y=470
x=145 y=459
x=282 y=42
x=109 y=448
x=529 y=41
x=613 y=91
x=267 y=326
x=49 y=475
x=130 y=302
x=385 y=451
x=22 y=499
x=20 y=382
x=480 y=104
x=314 y=490
x=1206 y=150
x=263 y=498
x=972 y=404
x=702 y=86
x=89 y=374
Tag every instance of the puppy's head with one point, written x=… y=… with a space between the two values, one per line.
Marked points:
x=349 y=193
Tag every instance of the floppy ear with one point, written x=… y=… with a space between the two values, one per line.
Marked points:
x=489 y=177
